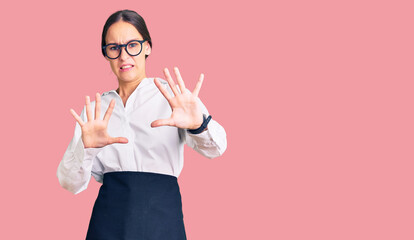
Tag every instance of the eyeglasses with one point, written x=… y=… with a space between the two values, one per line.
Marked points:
x=133 y=48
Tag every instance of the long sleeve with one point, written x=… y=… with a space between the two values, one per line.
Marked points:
x=210 y=143
x=74 y=171
x=157 y=150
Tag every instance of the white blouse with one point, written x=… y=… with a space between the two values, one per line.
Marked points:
x=158 y=150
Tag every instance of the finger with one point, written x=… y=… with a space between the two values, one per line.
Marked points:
x=162 y=89
x=198 y=85
x=180 y=80
x=76 y=116
x=163 y=122
x=88 y=108
x=98 y=106
x=109 y=110
x=170 y=81
x=118 y=140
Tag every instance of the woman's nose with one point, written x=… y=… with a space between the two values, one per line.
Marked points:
x=124 y=54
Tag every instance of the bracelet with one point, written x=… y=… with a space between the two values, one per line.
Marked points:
x=202 y=127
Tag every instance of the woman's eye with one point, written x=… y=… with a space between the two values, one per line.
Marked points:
x=113 y=48
x=132 y=45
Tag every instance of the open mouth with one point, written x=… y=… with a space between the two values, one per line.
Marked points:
x=126 y=67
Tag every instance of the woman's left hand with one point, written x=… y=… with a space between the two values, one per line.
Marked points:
x=186 y=113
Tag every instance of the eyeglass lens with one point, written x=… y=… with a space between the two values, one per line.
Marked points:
x=132 y=48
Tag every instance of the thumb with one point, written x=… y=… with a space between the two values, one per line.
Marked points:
x=118 y=140
x=163 y=122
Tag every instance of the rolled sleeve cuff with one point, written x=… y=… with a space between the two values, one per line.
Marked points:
x=212 y=142
x=86 y=155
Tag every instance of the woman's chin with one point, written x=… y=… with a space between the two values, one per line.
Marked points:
x=127 y=77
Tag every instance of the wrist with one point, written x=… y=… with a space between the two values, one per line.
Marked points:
x=198 y=124
x=203 y=126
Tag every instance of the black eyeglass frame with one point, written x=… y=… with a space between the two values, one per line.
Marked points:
x=124 y=46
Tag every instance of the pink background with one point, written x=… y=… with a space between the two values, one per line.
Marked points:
x=316 y=98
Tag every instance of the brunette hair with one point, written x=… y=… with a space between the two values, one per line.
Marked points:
x=128 y=16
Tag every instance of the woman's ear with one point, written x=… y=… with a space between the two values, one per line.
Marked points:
x=147 y=48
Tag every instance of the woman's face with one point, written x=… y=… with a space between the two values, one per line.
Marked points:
x=127 y=68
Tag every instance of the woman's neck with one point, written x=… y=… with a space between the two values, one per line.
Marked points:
x=125 y=89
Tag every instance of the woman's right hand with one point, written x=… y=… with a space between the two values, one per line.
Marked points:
x=94 y=131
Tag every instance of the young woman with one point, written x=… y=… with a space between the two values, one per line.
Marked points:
x=136 y=148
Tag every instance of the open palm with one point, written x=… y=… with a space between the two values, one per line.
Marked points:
x=186 y=113
x=94 y=131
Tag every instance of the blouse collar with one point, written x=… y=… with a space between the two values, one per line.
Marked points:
x=142 y=84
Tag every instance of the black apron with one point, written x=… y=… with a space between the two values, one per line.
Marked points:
x=137 y=205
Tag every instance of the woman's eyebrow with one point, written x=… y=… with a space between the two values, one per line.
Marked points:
x=125 y=42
